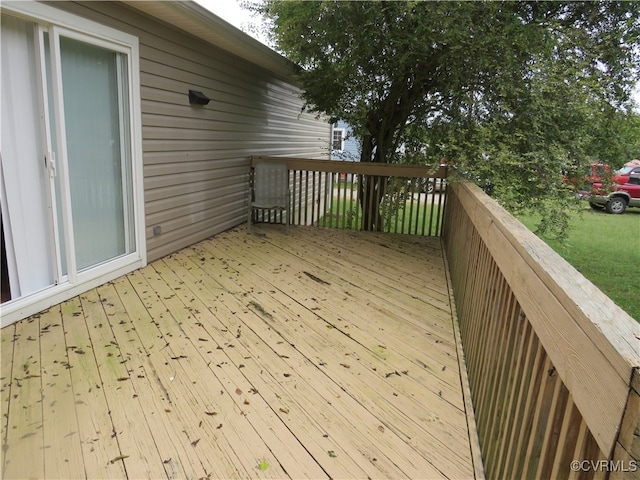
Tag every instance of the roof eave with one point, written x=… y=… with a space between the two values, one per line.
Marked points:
x=200 y=22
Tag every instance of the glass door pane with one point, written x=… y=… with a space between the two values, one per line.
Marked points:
x=96 y=116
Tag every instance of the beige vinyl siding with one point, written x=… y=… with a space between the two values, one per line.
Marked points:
x=196 y=159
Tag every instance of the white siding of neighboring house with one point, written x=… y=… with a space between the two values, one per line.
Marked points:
x=196 y=159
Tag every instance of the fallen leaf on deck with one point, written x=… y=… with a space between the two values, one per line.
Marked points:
x=211 y=413
x=263 y=465
x=316 y=279
x=284 y=410
x=332 y=454
x=195 y=442
x=238 y=391
x=117 y=459
x=345 y=365
x=381 y=428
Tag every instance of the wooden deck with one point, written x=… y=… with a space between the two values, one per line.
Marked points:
x=322 y=353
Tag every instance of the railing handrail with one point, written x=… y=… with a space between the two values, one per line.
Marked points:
x=593 y=344
x=363 y=168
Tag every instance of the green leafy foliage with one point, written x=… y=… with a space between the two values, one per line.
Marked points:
x=513 y=94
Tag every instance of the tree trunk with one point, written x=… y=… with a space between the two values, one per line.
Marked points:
x=383 y=131
x=369 y=189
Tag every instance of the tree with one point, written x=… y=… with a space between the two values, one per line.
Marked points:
x=510 y=91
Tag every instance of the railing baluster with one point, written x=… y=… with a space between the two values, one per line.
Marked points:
x=354 y=187
x=313 y=198
x=327 y=197
x=300 y=204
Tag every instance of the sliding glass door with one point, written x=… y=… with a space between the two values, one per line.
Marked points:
x=98 y=151
x=71 y=190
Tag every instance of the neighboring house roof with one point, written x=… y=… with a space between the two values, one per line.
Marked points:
x=200 y=22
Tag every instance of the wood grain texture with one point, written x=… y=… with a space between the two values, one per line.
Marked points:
x=593 y=344
x=563 y=389
x=248 y=356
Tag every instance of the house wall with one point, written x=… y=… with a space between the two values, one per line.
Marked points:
x=196 y=159
x=351 y=151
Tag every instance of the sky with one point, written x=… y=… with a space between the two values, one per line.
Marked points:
x=232 y=12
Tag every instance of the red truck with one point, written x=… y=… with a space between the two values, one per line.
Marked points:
x=616 y=197
x=601 y=172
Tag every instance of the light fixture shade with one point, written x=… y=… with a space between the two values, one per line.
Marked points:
x=197 y=98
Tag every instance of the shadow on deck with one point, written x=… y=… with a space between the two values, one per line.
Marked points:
x=322 y=353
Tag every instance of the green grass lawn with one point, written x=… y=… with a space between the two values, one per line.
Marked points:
x=418 y=217
x=605 y=248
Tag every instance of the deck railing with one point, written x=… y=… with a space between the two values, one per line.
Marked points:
x=397 y=198
x=553 y=364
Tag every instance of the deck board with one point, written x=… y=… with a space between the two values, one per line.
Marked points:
x=60 y=424
x=24 y=430
x=318 y=354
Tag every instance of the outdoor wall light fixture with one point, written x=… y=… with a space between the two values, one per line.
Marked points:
x=197 y=98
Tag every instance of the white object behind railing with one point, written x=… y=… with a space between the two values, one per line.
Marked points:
x=269 y=190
